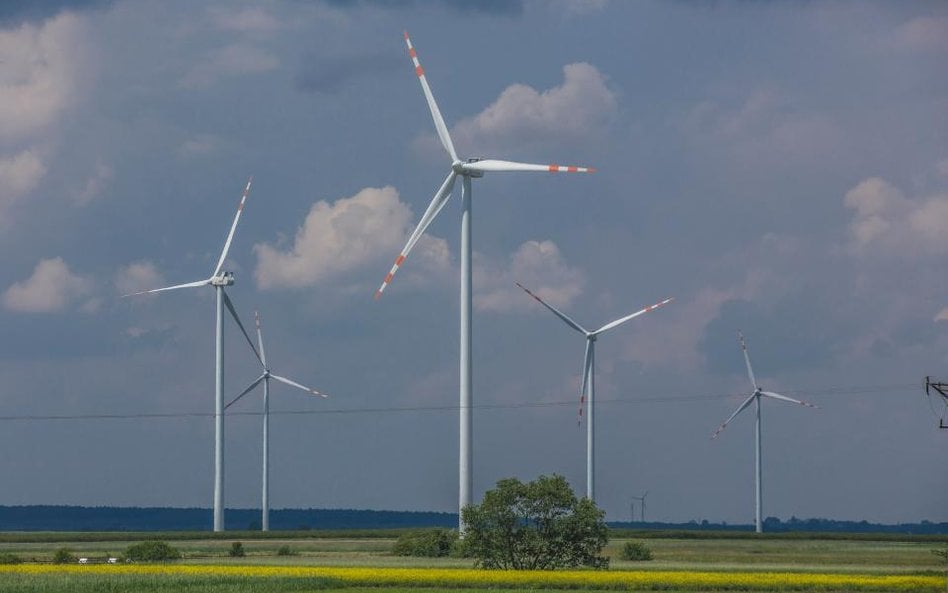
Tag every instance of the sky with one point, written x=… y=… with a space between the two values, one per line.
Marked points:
x=780 y=168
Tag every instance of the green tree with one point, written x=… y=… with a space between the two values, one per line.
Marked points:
x=535 y=525
x=64 y=556
x=152 y=551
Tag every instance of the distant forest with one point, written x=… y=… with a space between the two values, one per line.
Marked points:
x=77 y=518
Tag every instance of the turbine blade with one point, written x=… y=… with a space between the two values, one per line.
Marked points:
x=175 y=287
x=263 y=353
x=747 y=360
x=740 y=409
x=492 y=165
x=556 y=312
x=297 y=385
x=233 y=227
x=773 y=395
x=233 y=313
x=587 y=369
x=619 y=322
x=437 y=203
x=432 y=105
x=246 y=391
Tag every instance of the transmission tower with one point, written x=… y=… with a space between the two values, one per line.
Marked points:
x=941 y=388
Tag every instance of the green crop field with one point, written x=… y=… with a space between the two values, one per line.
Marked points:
x=320 y=562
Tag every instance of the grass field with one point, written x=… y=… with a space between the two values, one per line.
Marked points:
x=354 y=563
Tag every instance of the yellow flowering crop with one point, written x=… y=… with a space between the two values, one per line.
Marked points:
x=575 y=579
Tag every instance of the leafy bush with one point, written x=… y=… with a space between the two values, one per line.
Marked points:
x=636 y=551
x=64 y=556
x=285 y=551
x=237 y=550
x=430 y=543
x=152 y=551
x=7 y=558
x=535 y=525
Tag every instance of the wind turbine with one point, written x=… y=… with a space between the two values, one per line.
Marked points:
x=588 y=388
x=467 y=170
x=265 y=379
x=755 y=397
x=641 y=499
x=219 y=279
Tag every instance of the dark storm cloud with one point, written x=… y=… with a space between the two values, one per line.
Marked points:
x=329 y=74
x=14 y=12
x=501 y=7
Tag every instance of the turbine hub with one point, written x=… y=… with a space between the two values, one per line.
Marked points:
x=224 y=279
x=458 y=167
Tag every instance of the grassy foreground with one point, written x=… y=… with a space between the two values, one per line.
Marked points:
x=37 y=577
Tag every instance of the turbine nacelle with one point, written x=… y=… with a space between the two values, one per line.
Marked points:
x=464 y=168
x=223 y=279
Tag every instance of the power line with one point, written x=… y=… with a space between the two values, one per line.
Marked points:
x=651 y=399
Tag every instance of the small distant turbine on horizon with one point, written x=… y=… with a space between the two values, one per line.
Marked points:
x=641 y=500
x=219 y=279
x=587 y=392
x=265 y=379
x=755 y=397
x=466 y=169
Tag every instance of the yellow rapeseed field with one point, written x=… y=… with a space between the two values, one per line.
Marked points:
x=460 y=578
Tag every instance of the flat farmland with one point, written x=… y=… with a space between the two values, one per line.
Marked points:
x=366 y=563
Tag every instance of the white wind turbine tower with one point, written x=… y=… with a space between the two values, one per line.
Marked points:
x=265 y=379
x=755 y=397
x=588 y=391
x=219 y=279
x=467 y=170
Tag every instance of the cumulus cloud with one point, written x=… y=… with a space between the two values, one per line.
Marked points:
x=580 y=109
x=19 y=175
x=138 y=276
x=537 y=265
x=199 y=145
x=249 y=20
x=884 y=217
x=95 y=184
x=51 y=288
x=923 y=33
x=41 y=69
x=764 y=125
x=236 y=59
x=342 y=236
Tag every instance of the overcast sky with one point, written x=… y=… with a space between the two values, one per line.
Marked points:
x=779 y=168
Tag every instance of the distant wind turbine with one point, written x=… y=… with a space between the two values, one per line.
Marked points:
x=641 y=500
x=219 y=279
x=467 y=170
x=755 y=397
x=265 y=379
x=588 y=388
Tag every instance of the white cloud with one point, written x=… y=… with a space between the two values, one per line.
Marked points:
x=885 y=218
x=236 y=59
x=343 y=236
x=42 y=65
x=537 y=265
x=50 y=289
x=578 y=110
x=923 y=33
x=138 y=276
x=199 y=145
x=765 y=126
x=249 y=20
x=19 y=175
x=95 y=184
